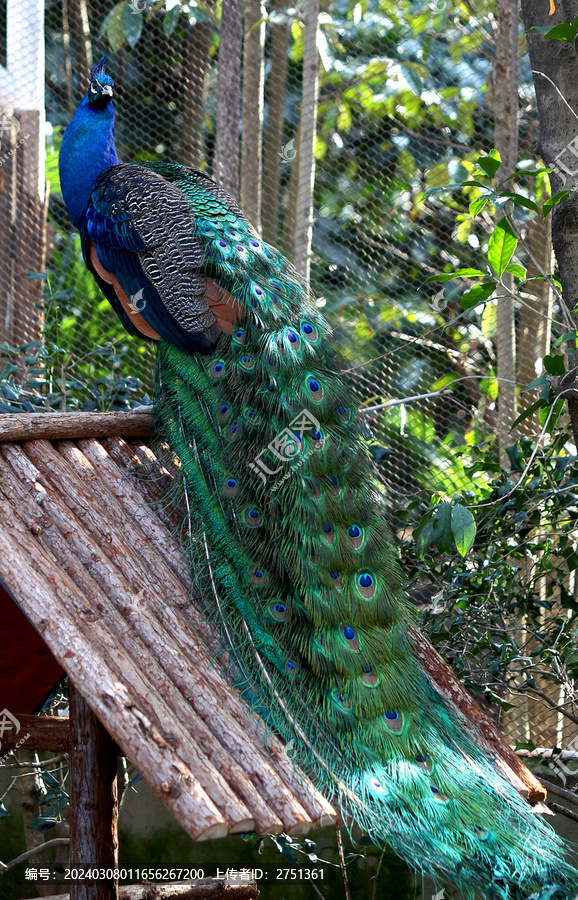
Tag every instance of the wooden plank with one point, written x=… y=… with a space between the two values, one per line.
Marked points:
x=93 y=800
x=60 y=426
x=46 y=733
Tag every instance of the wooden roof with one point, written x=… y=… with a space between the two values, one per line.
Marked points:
x=90 y=561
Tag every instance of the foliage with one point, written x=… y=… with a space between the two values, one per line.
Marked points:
x=45 y=374
x=504 y=614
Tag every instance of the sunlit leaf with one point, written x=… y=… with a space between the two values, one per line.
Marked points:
x=501 y=246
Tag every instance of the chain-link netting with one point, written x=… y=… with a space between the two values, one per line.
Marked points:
x=392 y=104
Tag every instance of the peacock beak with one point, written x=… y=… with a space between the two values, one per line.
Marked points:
x=107 y=90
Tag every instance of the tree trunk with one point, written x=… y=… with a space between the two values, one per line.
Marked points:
x=555 y=68
x=252 y=130
x=93 y=800
x=306 y=148
x=506 y=142
x=272 y=150
x=67 y=58
x=198 y=44
x=535 y=318
x=226 y=163
x=80 y=31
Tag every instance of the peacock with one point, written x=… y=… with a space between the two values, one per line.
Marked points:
x=286 y=524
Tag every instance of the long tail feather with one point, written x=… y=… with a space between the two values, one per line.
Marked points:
x=290 y=550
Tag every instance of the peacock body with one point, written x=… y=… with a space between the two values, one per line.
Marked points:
x=287 y=527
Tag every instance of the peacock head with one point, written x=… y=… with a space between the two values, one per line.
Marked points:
x=101 y=85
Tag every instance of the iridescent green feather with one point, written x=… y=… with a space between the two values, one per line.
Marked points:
x=290 y=542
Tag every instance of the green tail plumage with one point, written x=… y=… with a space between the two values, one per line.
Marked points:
x=292 y=555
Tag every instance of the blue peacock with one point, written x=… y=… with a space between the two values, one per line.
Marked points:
x=287 y=533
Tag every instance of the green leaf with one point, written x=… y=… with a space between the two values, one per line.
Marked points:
x=131 y=25
x=476 y=206
x=459 y=273
x=442 y=527
x=528 y=413
x=170 y=20
x=565 y=31
x=463 y=528
x=490 y=164
x=554 y=364
x=424 y=539
x=556 y=412
x=570 y=336
x=517 y=270
x=521 y=200
x=552 y=201
x=49 y=780
x=114 y=30
x=501 y=247
x=477 y=294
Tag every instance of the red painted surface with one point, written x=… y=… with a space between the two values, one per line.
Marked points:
x=28 y=669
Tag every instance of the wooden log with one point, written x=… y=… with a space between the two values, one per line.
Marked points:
x=139 y=672
x=93 y=800
x=203 y=889
x=32 y=577
x=54 y=426
x=45 y=733
x=170 y=641
x=450 y=687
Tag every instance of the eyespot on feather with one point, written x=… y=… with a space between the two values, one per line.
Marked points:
x=309 y=331
x=315 y=388
x=253 y=517
x=350 y=637
x=423 y=762
x=258 y=577
x=393 y=720
x=233 y=432
x=366 y=585
x=328 y=532
x=355 y=535
x=230 y=486
x=278 y=610
x=223 y=413
x=217 y=370
x=369 y=676
x=291 y=668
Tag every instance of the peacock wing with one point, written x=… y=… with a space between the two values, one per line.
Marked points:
x=141 y=229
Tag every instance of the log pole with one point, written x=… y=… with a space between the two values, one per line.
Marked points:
x=93 y=800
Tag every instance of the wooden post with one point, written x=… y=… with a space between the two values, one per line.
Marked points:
x=22 y=189
x=93 y=800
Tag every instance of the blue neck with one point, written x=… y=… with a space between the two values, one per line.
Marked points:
x=87 y=150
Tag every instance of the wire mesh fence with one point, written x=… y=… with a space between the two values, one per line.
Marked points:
x=392 y=105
